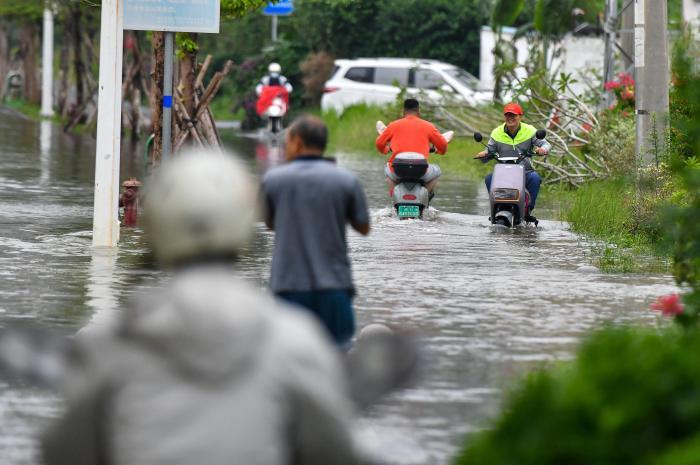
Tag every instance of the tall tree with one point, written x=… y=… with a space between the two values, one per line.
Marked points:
x=27 y=15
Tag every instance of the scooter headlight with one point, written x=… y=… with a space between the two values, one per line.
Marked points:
x=506 y=194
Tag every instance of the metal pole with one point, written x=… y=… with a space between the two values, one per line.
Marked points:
x=105 y=229
x=168 y=94
x=653 y=81
x=610 y=33
x=47 y=64
x=627 y=36
x=274 y=28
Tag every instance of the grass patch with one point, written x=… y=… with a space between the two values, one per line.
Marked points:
x=603 y=210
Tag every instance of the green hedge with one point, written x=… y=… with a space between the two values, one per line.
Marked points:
x=631 y=397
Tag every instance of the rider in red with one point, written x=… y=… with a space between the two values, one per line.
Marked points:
x=411 y=134
x=271 y=86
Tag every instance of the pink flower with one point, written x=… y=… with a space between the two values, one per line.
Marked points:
x=668 y=305
x=627 y=94
x=611 y=85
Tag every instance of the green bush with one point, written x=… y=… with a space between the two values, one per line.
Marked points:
x=613 y=141
x=631 y=397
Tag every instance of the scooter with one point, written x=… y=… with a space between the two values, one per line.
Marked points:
x=274 y=113
x=508 y=197
x=273 y=104
x=410 y=197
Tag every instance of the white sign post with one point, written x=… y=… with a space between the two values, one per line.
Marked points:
x=105 y=229
x=47 y=64
x=117 y=15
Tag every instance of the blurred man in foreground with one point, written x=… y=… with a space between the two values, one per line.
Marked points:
x=209 y=371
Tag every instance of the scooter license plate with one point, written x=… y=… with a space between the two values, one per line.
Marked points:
x=409 y=211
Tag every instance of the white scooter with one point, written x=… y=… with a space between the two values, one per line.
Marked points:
x=410 y=197
x=508 y=197
x=274 y=113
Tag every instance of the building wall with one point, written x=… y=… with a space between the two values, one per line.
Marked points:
x=582 y=56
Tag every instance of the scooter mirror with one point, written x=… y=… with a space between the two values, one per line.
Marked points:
x=541 y=133
x=478 y=137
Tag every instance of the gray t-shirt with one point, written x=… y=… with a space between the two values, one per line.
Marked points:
x=310 y=200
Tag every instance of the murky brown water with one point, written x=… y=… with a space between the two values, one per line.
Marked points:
x=489 y=305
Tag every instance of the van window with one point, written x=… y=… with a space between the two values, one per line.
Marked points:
x=427 y=79
x=360 y=74
x=391 y=76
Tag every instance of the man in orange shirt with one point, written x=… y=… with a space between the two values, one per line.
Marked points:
x=411 y=134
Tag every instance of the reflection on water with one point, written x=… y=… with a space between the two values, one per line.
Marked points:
x=488 y=304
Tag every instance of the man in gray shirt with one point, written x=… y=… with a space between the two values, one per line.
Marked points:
x=308 y=201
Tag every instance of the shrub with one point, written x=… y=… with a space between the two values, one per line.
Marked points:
x=631 y=397
x=316 y=70
x=613 y=141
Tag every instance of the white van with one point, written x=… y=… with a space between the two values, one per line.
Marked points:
x=374 y=81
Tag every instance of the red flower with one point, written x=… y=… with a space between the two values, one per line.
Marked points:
x=669 y=305
x=626 y=79
x=611 y=85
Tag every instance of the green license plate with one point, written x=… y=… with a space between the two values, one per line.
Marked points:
x=409 y=211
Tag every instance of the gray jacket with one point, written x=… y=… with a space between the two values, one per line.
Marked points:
x=210 y=371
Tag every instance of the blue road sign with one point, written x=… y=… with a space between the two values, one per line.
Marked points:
x=281 y=8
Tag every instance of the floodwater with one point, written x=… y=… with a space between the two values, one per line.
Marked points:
x=488 y=305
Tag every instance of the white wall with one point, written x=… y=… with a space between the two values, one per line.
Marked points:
x=581 y=55
x=691 y=12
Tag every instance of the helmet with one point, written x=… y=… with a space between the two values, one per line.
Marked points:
x=200 y=204
x=274 y=68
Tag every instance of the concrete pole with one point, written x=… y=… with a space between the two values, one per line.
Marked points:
x=274 y=28
x=610 y=39
x=105 y=229
x=167 y=142
x=652 y=76
x=47 y=64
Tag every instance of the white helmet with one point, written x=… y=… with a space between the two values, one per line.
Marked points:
x=200 y=204
x=274 y=68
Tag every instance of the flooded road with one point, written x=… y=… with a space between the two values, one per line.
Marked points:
x=488 y=305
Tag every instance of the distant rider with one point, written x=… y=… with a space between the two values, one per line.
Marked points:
x=411 y=134
x=271 y=86
x=515 y=135
x=273 y=78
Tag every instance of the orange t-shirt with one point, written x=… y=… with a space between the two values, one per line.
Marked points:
x=410 y=134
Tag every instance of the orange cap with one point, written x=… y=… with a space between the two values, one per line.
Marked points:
x=513 y=108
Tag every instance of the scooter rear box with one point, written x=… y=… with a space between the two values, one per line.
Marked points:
x=410 y=168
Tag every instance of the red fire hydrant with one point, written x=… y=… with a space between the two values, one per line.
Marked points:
x=129 y=200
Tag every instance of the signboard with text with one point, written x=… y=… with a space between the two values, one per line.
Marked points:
x=172 y=15
x=281 y=8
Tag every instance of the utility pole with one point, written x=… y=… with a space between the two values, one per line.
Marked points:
x=105 y=227
x=652 y=79
x=47 y=63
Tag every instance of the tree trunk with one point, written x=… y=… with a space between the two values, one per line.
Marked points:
x=4 y=54
x=78 y=64
x=156 y=100
x=188 y=68
x=28 y=52
x=63 y=80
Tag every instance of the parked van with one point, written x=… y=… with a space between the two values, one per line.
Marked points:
x=377 y=81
